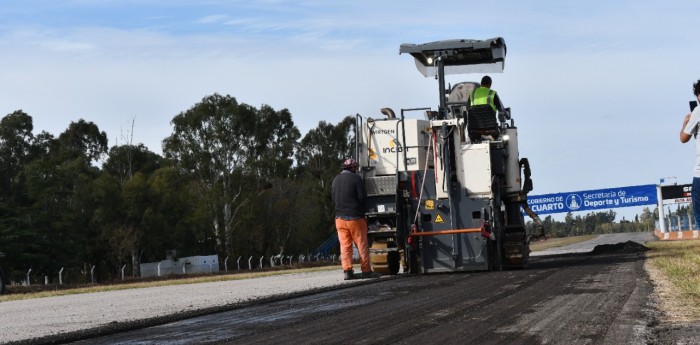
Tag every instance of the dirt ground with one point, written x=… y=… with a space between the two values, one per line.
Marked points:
x=604 y=297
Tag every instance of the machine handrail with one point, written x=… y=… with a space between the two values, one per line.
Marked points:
x=358 y=129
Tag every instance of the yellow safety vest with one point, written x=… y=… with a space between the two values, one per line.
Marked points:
x=483 y=95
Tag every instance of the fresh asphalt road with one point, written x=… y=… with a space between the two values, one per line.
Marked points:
x=559 y=299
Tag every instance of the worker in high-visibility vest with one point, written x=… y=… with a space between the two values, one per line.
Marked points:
x=485 y=95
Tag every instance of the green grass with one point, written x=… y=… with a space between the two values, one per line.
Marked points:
x=162 y=282
x=679 y=263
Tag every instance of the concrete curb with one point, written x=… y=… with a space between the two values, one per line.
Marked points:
x=677 y=235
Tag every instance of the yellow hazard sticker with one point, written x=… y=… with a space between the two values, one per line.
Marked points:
x=429 y=204
x=438 y=219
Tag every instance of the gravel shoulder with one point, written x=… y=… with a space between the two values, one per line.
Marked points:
x=62 y=318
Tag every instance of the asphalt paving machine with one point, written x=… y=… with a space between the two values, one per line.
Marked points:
x=445 y=190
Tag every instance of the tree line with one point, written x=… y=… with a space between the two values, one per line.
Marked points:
x=595 y=223
x=233 y=180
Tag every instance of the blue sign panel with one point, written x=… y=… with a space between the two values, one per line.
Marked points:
x=593 y=199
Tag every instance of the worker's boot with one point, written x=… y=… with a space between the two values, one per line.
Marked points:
x=349 y=274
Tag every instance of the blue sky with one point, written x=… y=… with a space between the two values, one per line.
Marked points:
x=598 y=89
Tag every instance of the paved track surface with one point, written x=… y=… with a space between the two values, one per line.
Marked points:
x=62 y=318
x=573 y=300
x=602 y=297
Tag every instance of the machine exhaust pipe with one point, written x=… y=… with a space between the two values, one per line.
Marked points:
x=388 y=112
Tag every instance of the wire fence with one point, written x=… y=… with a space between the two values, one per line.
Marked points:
x=181 y=266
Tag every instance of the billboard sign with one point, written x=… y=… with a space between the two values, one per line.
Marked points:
x=676 y=191
x=593 y=199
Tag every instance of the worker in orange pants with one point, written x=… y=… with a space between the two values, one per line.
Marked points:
x=349 y=232
x=349 y=195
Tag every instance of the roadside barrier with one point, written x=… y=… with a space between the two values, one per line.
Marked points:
x=677 y=235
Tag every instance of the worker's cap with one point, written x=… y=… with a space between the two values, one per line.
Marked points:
x=349 y=163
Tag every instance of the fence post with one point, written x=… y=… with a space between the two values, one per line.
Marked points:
x=92 y=274
x=272 y=261
x=238 y=263
x=226 y=264
x=184 y=267
x=60 y=276
x=261 y=259
x=250 y=267
x=291 y=257
x=123 y=267
x=28 y=280
x=691 y=220
x=159 y=269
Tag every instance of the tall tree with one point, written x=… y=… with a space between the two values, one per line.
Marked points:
x=568 y=225
x=647 y=219
x=302 y=228
x=125 y=160
x=60 y=187
x=175 y=217
x=15 y=151
x=319 y=156
x=323 y=149
x=221 y=143
x=124 y=198
x=83 y=139
x=272 y=145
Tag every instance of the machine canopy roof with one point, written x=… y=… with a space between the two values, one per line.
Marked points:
x=459 y=56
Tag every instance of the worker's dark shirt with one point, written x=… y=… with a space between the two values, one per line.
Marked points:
x=349 y=195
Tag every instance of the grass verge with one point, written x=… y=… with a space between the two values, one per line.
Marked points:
x=674 y=267
x=161 y=282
